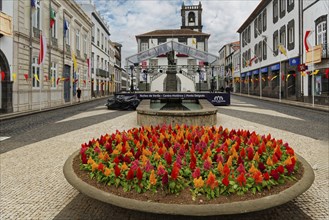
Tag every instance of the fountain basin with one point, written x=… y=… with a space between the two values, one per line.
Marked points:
x=205 y=114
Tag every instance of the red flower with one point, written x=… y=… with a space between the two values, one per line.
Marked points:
x=116 y=160
x=139 y=174
x=261 y=166
x=226 y=170
x=174 y=172
x=275 y=174
x=168 y=158
x=241 y=168
x=130 y=174
x=196 y=173
x=84 y=158
x=100 y=167
x=280 y=169
x=290 y=168
x=225 y=181
x=207 y=164
x=165 y=179
x=242 y=153
x=266 y=176
x=257 y=177
x=261 y=149
x=241 y=179
x=250 y=153
x=117 y=171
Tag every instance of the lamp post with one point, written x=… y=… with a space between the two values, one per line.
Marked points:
x=145 y=72
x=131 y=78
x=212 y=79
x=199 y=71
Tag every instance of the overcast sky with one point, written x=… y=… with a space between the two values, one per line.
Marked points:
x=127 y=18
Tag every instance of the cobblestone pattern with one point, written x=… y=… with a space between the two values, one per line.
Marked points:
x=33 y=185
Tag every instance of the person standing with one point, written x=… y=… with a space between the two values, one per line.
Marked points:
x=79 y=94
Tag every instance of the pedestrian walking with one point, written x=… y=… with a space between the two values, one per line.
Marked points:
x=79 y=94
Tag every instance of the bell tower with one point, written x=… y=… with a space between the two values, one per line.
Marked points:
x=192 y=17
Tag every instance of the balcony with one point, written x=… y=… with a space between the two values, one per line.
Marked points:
x=325 y=51
x=36 y=32
x=102 y=73
x=68 y=49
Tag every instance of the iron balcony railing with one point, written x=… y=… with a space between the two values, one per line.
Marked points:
x=102 y=73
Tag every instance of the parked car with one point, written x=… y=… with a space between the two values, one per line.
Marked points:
x=123 y=102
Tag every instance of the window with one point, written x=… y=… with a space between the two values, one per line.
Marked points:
x=98 y=36
x=283 y=36
x=275 y=43
x=182 y=40
x=85 y=44
x=265 y=49
x=191 y=17
x=256 y=28
x=260 y=55
x=97 y=64
x=275 y=11
x=54 y=28
x=290 y=6
x=161 y=40
x=200 y=46
x=259 y=24
x=77 y=40
x=35 y=73
x=102 y=41
x=249 y=34
x=53 y=75
x=102 y=67
x=282 y=8
x=264 y=20
x=321 y=34
x=67 y=36
x=256 y=52
x=36 y=22
x=93 y=34
x=291 y=34
x=144 y=46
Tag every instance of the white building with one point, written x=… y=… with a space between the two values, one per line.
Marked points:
x=100 y=52
x=191 y=72
x=271 y=24
x=6 y=56
x=315 y=20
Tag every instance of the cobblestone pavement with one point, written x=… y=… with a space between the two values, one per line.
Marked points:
x=33 y=185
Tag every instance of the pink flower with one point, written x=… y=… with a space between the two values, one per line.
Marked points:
x=165 y=179
x=196 y=173
x=241 y=168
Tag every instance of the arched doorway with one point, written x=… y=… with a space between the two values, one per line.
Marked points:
x=6 y=86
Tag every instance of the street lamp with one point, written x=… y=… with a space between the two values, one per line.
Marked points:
x=212 y=79
x=131 y=78
x=199 y=71
x=145 y=72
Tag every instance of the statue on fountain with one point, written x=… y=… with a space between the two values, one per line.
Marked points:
x=171 y=58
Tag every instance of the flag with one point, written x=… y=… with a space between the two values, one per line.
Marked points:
x=33 y=4
x=57 y=80
x=26 y=76
x=75 y=64
x=43 y=49
x=288 y=77
x=315 y=72
x=251 y=60
x=52 y=18
x=193 y=41
x=303 y=73
x=36 y=77
x=327 y=73
x=306 y=43
x=88 y=65
x=14 y=76
x=283 y=50
x=66 y=27
x=274 y=77
x=282 y=77
x=3 y=75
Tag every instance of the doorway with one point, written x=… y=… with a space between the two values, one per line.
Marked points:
x=67 y=83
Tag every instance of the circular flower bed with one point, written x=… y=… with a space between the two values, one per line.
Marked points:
x=209 y=161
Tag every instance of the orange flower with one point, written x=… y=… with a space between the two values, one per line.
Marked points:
x=101 y=156
x=115 y=152
x=107 y=171
x=90 y=161
x=257 y=175
x=229 y=161
x=153 y=180
x=241 y=179
x=256 y=157
x=211 y=181
x=252 y=169
x=147 y=152
x=157 y=156
x=220 y=167
x=198 y=183
x=171 y=151
x=129 y=154
x=286 y=162
x=234 y=153
x=124 y=166
x=269 y=161
x=94 y=167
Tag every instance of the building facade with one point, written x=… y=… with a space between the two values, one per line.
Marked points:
x=315 y=83
x=6 y=56
x=270 y=50
x=118 y=78
x=100 y=63
x=51 y=44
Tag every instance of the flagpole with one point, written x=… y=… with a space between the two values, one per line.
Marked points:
x=41 y=70
x=280 y=80
x=313 y=76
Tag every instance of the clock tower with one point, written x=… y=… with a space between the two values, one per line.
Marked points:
x=192 y=17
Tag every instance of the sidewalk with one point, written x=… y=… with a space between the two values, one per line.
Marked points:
x=288 y=102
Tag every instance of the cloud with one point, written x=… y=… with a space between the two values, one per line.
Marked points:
x=128 y=18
